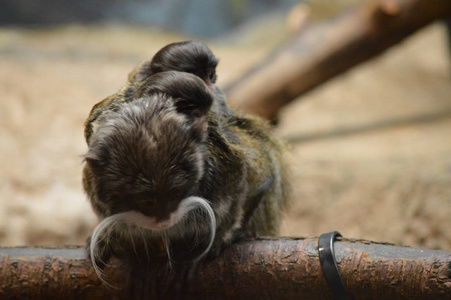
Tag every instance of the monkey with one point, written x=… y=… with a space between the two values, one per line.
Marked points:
x=173 y=180
x=188 y=56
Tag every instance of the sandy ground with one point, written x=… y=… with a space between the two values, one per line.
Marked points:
x=391 y=184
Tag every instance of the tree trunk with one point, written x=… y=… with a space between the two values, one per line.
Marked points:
x=328 y=49
x=266 y=268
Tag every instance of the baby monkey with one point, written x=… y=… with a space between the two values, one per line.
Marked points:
x=188 y=56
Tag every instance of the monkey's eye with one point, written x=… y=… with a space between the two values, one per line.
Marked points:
x=212 y=76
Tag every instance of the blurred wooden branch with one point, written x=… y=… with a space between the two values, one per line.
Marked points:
x=285 y=268
x=323 y=51
x=424 y=118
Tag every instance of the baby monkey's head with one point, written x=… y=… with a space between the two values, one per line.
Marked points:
x=189 y=56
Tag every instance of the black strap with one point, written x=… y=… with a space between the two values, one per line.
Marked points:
x=329 y=266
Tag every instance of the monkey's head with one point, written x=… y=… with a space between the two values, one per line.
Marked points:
x=146 y=162
x=147 y=156
x=189 y=56
x=189 y=94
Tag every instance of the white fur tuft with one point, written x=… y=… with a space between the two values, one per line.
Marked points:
x=150 y=223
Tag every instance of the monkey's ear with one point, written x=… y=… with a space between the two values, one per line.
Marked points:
x=192 y=109
x=92 y=161
x=199 y=128
x=196 y=111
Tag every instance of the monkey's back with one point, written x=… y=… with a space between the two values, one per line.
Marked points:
x=260 y=195
x=263 y=158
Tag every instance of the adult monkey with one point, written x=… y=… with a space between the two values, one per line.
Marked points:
x=174 y=181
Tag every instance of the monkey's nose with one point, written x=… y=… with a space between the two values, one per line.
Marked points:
x=159 y=213
x=164 y=212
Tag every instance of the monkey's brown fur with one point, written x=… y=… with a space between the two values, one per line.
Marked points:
x=242 y=155
x=189 y=56
x=240 y=170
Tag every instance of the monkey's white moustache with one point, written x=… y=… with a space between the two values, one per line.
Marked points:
x=150 y=223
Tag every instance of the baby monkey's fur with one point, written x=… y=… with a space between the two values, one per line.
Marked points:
x=157 y=143
x=189 y=56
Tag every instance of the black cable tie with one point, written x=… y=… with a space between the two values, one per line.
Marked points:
x=329 y=266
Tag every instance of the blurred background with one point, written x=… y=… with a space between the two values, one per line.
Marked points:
x=59 y=58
